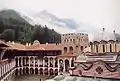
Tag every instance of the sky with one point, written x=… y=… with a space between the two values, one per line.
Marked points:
x=96 y=14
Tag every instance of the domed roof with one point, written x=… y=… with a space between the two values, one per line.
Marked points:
x=36 y=42
x=106 y=36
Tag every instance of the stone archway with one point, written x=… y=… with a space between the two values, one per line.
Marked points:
x=27 y=70
x=61 y=65
x=27 y=61
x=65 y=49
x=36 y=70
x=56 y=71
x=24 y=71
x=20 y=70
x=56 y=62
x=67 y=65
x=46 y=61
x=72 y=63
x=23 y=61
x=31 y=71
x=31 y=61
x=16 y=59
x=51 y=62
x=19 y=61
x=46 y=71
x=51 y=71
x=71 y=49
x=16 y=72
x=41 y=71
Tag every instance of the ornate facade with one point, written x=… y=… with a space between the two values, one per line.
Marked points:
x=42 y=59
x=101 y=58
x=74 y=42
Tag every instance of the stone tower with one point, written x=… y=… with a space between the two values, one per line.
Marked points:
x=74 y=42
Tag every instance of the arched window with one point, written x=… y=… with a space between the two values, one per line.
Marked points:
x=110 y=48
x=97 y=48
x=71 y=49
x=67 y=65
x=103 y=48
x=65 y=49
x=81 y=48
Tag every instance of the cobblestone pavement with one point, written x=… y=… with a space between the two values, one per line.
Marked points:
x=32 y=78
x=43 y=78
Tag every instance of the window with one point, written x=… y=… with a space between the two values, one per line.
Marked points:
x=103 y=48
x=97 y=48
x=110 y=48
x=81 y=48
x=71 y=49
x=65 y=49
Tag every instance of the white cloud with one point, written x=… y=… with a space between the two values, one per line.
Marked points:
x=96 y=13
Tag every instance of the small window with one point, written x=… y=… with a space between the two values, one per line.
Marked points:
x=110 y=48
x=97 y=48
x=103 y=48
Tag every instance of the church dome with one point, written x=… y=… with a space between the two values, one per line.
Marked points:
x=36 y=42
x=106 y=36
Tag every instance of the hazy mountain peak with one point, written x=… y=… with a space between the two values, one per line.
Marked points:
x=53 y=19
x=9 y=16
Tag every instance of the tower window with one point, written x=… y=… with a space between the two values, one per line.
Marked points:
x=97 y=48
x=103 y=48
x=110 y=48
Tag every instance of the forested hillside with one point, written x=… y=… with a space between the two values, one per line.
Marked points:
x=15 y=28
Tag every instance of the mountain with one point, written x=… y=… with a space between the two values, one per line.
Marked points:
x=15 y=26
x=45 y=16
x=11 y=17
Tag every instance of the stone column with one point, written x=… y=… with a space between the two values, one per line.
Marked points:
x=38 y=71
x=43 y=62
x=64 y=65
x=53 y=62
x=38 y=62
x=25 y=61
x=29 y=71
x=48 y=62
x=34 y=61
x=22 y=61
x=58 y=67
x=34 y=71
x=70 y=62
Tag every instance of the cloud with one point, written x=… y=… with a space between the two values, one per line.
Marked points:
x=95 y=13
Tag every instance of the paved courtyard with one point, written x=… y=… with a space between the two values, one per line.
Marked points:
x=32 y=78
x=43 y=78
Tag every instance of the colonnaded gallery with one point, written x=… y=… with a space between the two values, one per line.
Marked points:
x=75 y=55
